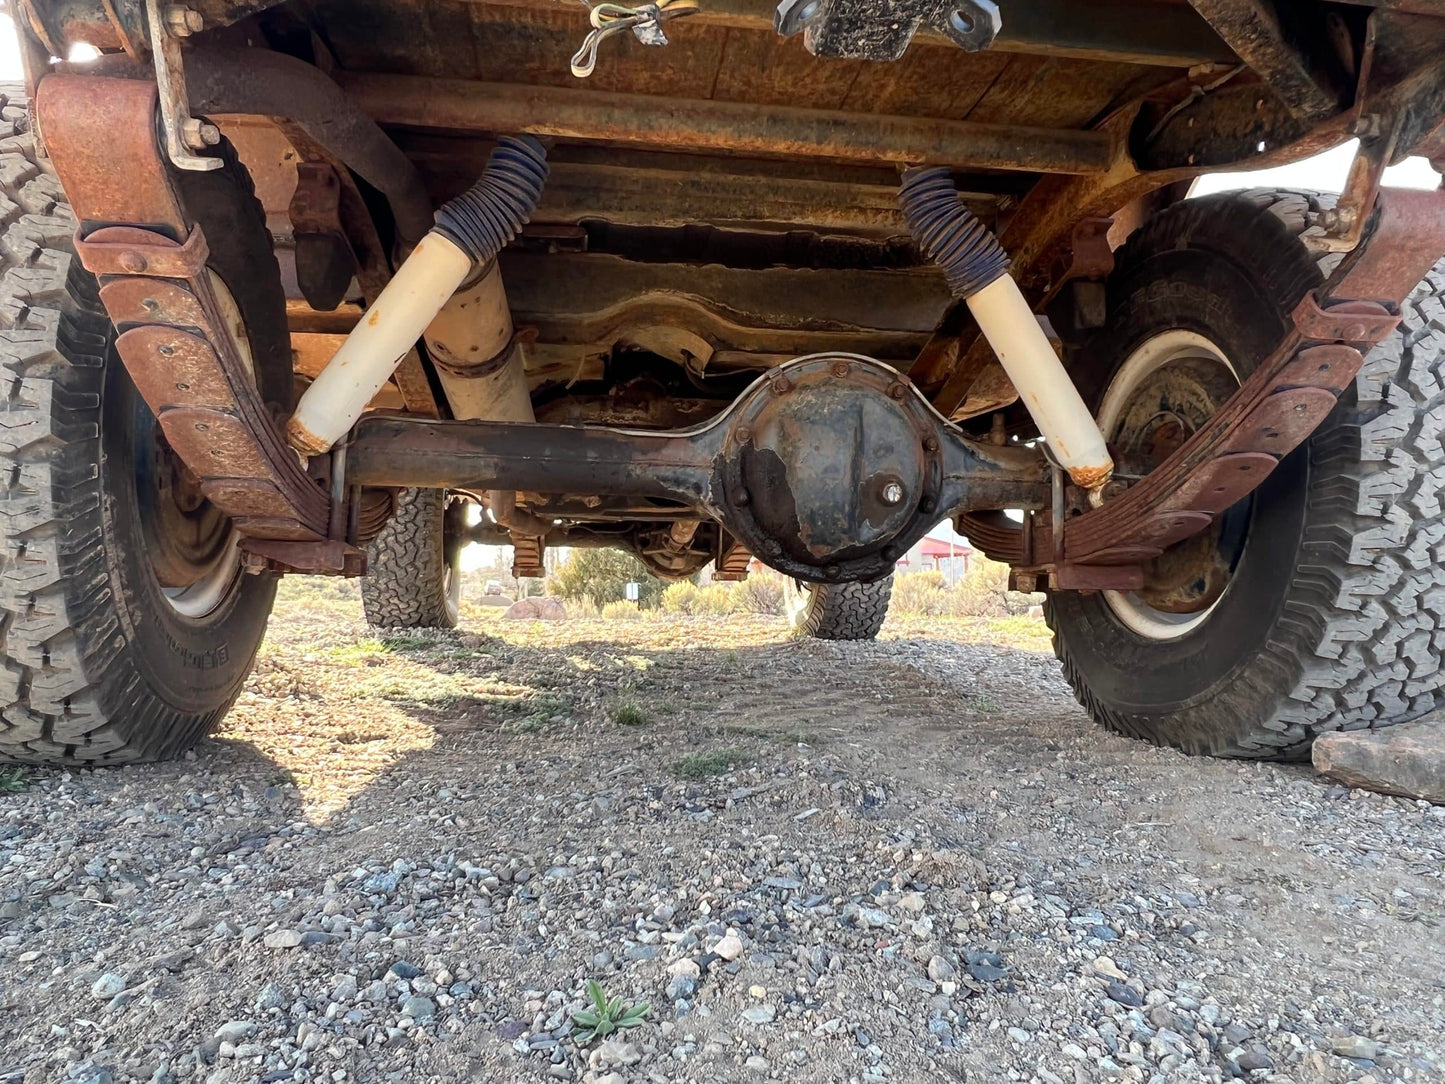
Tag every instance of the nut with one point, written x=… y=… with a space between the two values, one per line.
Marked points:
x=198 y=134
x=182 y=21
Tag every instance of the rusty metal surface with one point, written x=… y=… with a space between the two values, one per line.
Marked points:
x=701 y=125
x=173 y=335
x=829 y=468
x=117 y=177
x=260 y=81
x=1253 y=29
x=1404 y=241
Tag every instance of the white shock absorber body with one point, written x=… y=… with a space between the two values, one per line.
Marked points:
x=977 y=271
x=482 y=370
x=389 y=328
x=422 y=298
x=1043 y=383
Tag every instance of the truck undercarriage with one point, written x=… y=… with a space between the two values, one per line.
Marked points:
x=735 y=281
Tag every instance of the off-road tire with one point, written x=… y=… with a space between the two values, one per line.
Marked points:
x=95 y=667
x=412 y=576
x=1344 y=627
x=838 y=611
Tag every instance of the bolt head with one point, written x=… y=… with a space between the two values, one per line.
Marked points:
x=839 y=368
x=892 y=492
x=133 y=262
x=896 y=391
x=182 y=21
x=931 y=444
x=743 y=434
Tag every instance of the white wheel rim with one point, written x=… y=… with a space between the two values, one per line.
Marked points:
x=1163 y=349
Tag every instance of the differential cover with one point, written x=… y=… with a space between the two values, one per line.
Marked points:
x=831 y=467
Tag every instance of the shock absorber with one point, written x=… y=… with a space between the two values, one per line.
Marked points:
x=469 y=232
x=976 y=268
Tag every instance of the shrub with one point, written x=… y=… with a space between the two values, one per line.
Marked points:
x=602 y=575
x=760 y=593
x=678 y=598
x=621 y=611
x=981 y=592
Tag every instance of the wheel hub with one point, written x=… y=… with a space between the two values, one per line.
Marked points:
x=1162 y=394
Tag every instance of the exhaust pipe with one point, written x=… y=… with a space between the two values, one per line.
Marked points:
x=976 y=267
x=469 y=232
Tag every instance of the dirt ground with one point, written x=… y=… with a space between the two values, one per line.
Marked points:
x=405 y=855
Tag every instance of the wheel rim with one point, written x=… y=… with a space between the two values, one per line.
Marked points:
x=193 y=548
x=1164 y=391
x=797 y=596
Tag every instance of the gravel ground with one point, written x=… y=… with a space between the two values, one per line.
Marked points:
x=404 y=857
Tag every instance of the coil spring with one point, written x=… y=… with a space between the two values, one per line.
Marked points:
x=948 y=233
x=486 y=216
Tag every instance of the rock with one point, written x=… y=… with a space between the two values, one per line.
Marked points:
x=1407 y=759
x=758 y=1064
x=729 y=948
x=1257 y=1058
x=912 y=902
x=270 y=997
x=987 y=972
x=681 y=987
x=1356 y=1046
x=1124 y=995
x=759 y=1014
x=687 y=968
x=235 y=1031
x=107 y=986
x=282 y=939
x=613 y=1054
x=403 y=970
x=540 y=608
x=418 y=1008
x=940 y=970
x=1105 y=966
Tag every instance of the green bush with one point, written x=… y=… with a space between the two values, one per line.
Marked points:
x=601 y=576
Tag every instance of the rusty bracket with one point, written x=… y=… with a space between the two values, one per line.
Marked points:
x=185 y=134
x=326 y=263
x=186 y=362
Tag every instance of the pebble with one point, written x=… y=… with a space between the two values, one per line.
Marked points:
x=282 y=939
x=1355 y=1046
x=759 y=1014
x=730 y=947
x=107 y=986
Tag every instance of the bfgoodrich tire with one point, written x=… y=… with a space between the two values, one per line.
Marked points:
x=413 y=574
x=837 y=611
x=1321 y=603
x=128 y=627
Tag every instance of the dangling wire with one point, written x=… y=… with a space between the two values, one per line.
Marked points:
x=645 y=21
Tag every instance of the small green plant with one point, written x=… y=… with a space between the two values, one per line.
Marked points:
x=705 y=765
x=628 y=714
x=13 y=780
x=606 y=1016
x=986 y=706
